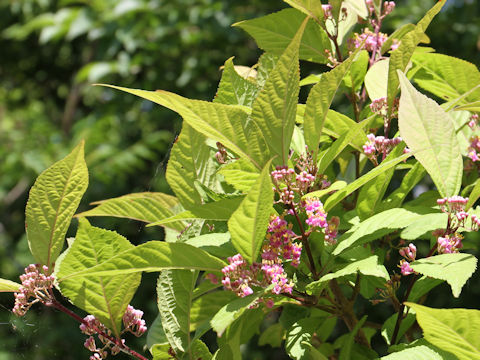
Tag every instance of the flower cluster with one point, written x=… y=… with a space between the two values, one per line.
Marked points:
x=473 y=121
x=238 y=276
x=280 y=242
x=36 y=287
x=369 y=40
x=388 y=7
x=449 y=244
x=132 y=321
x=409 y=253
x=474 y=148
x=454 y=205
x=379 y=145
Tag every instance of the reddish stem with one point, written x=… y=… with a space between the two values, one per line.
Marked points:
x=123 y=347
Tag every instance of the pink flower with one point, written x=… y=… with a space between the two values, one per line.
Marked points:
x=409 y=252
x=405 y=268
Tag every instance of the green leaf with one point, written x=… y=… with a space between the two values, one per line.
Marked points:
x=337 y=185
x=355 y=132
x=9 y=286
x=389 y=325
x=375 y=227
x=452 y=330
x=409 y=181
x=421 y=352
x=175 y=296
x=155 y=334
x=217 y=210
x=423 y=225
x=274 y=32
x=205 y=307
x=445 y=76
x=371 y=195
x=368 y=267
x=232 y=311
x=397 y=34
x=337 y=124
x=148 y=207
x=233 y=88
x=188 y=158
x=455 y=269
x=340 y=195
x=200 y=351
x=356 y=75
x=248 y=224
x=319 y=101
x=53 y=200
x=473 y=106
x=266 y=64
x=400 y=58
x=104 y=297
x=160 y=352
x=273 y=336
x=224 y=123
x=216 y=244
x=422 y=286
x=430 y=133
x=300 y=334
x=346 y=350
x=151 y=256
x=376 y=80
x=240 y=174
x=474 y=195
x=274 y=110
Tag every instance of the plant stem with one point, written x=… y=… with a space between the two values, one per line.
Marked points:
x=55 y=304
x=347 y=313
x=306 y=245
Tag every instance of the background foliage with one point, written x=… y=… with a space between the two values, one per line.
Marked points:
x=53 y=50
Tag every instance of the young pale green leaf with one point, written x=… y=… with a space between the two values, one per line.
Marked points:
x=430 y=133
x=150 y=257
x=232 y=311
x=311 y=8
x=337 y=185
x=147 y=207
x=368 y=267
x=376 y=80
x=274 y=32
x=400 y=57
x=340 y=195
x=455 y=269
x=188 y=157
x=219 y=210
x=248 y=224
x=445 y=76
x=274 y=110
x=413 y=177
x=375 y=227
x=421 y=352
x=53 y=200
x=235 y=89
x=104 y=297
x=223 y=123
x=9 y=286
x=240 y=174
x=371 y=195
x=423 y=225
x=205 y=307
x=452 y=330
x=175 y=296
x=319 y=100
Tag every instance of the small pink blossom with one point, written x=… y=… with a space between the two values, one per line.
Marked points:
x=405 y=268
x=409 y=252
